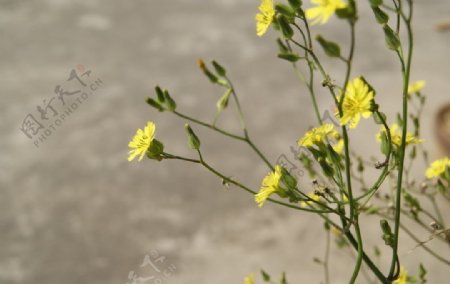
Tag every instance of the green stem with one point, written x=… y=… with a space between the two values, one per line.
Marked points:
x=406 y=75
x=213 y=127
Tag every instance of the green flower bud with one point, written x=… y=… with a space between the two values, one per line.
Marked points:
x=382 y=17
x=281 y=46
x=379 y=117
x=201 y=64
x=220 y=70
x=332 y=49
x=295 y=3
x=375 y=3
x=159 y=95
x=265 y=276
x=154 y=104
x=222 y=103
x=288 y=179
x=285 y=27
x=392 y=40
x=193 y=141
x=155 y=150
x=388 y=237
x=291 y=57
x=169 y=102
x=285 y=10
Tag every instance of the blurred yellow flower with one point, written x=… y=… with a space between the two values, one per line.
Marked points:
x=314 y=197
x=402 y=278
x=339 y=146
x=438 y=167
x=396 y=136
x=416 y=87
x=324 y=10
x=270 y=185
x=358 y=102
x=141 y=141
x=250 y=279
x=265 y=17
x=318 y=135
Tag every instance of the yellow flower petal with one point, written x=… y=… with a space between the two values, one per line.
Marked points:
x=250 y=279
x=396 y=136
x=265 y=17
x=314 y=197
x=141 y=141
x=270 y=185
x=416 y=87
x=402 y=278
x=323 y=11
x=358 y=101
x=437 y=168
x=318 y=135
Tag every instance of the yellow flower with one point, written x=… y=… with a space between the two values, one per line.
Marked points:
x=265 y=17
x=438 y=167
x=396 y=136
x=358 y=102
x=250 y=279
x=324 y=10
x=270 y=185
x=141 y=141
x=416 y=87
x=402 y=278
x=318 y=135
x=314 y=197
x=336 y=232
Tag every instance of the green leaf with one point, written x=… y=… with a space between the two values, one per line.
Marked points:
x=332 y=49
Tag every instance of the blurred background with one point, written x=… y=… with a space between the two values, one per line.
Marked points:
x=74 y=210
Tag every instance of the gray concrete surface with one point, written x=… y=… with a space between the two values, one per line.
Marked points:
x=73 y=210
